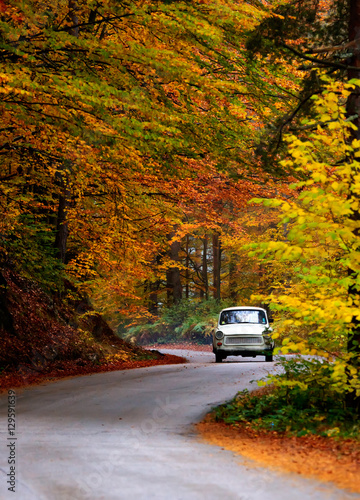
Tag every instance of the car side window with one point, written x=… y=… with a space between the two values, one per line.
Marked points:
x=224 y=319
x=262 y=318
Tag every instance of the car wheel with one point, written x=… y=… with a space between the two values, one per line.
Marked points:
x=218 y=358
x=268 y=357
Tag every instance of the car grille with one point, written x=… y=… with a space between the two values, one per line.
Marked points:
x=243 y=340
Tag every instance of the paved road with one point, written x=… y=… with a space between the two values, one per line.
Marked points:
x=129 y=435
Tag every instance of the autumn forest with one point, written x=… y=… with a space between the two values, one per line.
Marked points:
x=165 y=159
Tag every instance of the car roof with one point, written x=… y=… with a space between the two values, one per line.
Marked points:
x=248 y=308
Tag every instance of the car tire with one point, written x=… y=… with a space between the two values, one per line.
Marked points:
x=268 y=357
x=218 y=358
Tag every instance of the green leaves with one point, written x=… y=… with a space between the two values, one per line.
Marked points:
x=303 y=399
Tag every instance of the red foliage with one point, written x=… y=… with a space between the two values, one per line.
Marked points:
x=41 y=339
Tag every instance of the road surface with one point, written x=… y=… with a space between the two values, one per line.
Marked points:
x=129 y=435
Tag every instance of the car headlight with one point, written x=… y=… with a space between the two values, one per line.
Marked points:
x=219 y=335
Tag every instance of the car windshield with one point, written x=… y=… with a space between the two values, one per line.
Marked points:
x=242 y=316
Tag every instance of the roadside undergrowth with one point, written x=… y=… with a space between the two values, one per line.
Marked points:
x=296 y=401
x=46 y=337
x=296 y=422
x=71 y=369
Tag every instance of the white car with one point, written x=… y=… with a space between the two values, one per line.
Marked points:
x=243 y=331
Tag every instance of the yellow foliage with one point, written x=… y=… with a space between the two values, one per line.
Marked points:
x=316 y=308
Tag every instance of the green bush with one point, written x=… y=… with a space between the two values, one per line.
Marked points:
x=188 y=320
x=297 y=402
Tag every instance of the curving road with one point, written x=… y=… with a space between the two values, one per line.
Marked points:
x=128 y=435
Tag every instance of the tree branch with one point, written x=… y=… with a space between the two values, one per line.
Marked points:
x=319 y=61
x=334 y=48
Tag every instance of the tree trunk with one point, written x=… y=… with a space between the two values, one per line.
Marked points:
x=74 y=20
x=62 y=228
x=173 y=280
x=6 y=319
x=187 y=271
x=204 y=268
x=216 y=266
x=153 y=289
x=232 y=279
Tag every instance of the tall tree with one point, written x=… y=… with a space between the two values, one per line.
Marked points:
x=320 y=300
x=353 y=112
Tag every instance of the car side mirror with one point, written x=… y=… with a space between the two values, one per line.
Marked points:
x=271 y=320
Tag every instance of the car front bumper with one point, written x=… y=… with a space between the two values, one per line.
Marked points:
x=242 y=350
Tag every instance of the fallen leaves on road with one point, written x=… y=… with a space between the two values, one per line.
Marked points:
x=325 y=459
x=71 y=369
x=187 y=346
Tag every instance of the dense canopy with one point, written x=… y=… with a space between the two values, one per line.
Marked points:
x=135 y=134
